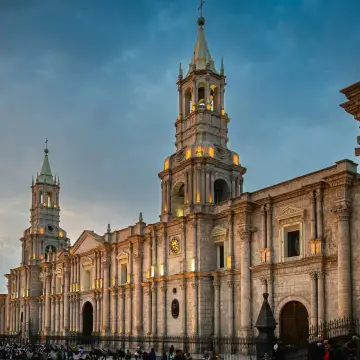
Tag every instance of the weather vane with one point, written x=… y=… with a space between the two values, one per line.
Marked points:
x=202 y=2
x=46 y=141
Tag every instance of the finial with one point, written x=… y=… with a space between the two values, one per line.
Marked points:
x=32 y=180
x=265 y=296
x=140 y=218
x=46 y=150
x=108 y=228
x=201 y=19
x=180 y=72
x=222 y=66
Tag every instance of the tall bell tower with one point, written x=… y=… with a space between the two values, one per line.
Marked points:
x=203 y=171
x=44 y=235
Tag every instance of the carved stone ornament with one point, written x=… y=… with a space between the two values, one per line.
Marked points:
x=87 y=263
x=342 y=211
x=290 y=214
x=41 y=277
x=219 y=234
x=123 y=256
x=58 y=272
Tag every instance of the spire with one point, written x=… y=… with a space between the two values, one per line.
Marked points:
x=201 y=58
x=222 y=71
x=45 y=173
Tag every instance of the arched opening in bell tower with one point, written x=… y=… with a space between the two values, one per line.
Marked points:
x=178 y=199
x=188 y=101
x=214 y=98
x=221 y=191
x=48 y=199
x=201 y=95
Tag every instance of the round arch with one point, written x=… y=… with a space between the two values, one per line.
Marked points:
x=178 y=199
x=294 y=323
x=87 y=318
x=221 y=190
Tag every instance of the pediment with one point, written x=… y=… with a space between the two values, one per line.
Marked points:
x=290 y=212
x=218 y=233
x=86 y=242
x=122 y=256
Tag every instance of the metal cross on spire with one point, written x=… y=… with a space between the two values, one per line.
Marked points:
x=46 y=141
x=46 y=148
x=202 y=2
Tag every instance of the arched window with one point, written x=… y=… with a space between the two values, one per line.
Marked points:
x=201 y=96
x=178 y=199
x=41 y=197
x=221 y=191
x=214 y=98
x=49 y=199
x=188 y=101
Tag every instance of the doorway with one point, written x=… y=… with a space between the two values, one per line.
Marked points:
x=88 y=316
x=294 y=324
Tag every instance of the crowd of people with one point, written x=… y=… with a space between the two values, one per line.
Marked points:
x=61 y=352
x=321 y=350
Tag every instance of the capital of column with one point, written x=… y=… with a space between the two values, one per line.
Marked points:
x=320 y=274
x=318 y=194
x=216 y=283
x=342 y=211
x=263 y=280
x=194 y=284
x=244 y=231
x=230 y=283
x=312 y=275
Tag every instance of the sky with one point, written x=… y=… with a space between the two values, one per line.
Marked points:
x=98 y=79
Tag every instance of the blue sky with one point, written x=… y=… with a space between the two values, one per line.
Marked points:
x=97 y=78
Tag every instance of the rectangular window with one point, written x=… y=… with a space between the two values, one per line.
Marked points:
x=123 y=273
x=293 y=243
x=221 y=256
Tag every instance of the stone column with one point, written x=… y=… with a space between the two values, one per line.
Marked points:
x=164 y=309
x=195 y=315
x=53 y=315
x=313 y=290
x=168 y=194
x=269 y=226
x=245 y=279
x=313 y=217
x=207 y=185
x=61 y=315
x=98 y=312
x=233 y=189
x=319 y=213
x=183 y=307
x=212 y=177
x=263 y=214
x=203 y=185
x=191 y=192
x=216 y=284
x=113 y=312
x=138 y=290
x=153 y=309
x=47 y=304
x=231 y=308
x=149 y=305
x=344 y=261
x=57 y=318
x=321 y=297
x=66 y=300
x=77 y=312
x=106 y=306
x=198 y=185
x=121 y=315
x=270 y=290
x=194 y=242
x=128 y=307
x=230 y=260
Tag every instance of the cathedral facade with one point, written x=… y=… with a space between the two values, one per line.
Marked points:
x=201 y=270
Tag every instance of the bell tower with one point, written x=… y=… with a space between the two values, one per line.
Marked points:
x=203 y=171
x=44 y=235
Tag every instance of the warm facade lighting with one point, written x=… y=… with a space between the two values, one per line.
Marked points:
x=161 y=270
x=210 y=198
x=188 y=154
x=193 y=108
x=211 y=152
x=199 y=151
x=180 y=212
x=236 y=159
x=222 y=112
x=208 y=106
x=166 y=164
x=42 y=230
x=152 y=271
x=61 y=234
x=198 y=197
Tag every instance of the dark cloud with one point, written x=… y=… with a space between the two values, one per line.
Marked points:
x=98 y=79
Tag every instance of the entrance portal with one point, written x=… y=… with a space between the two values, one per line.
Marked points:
x=294 y=324
x=88 y=318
